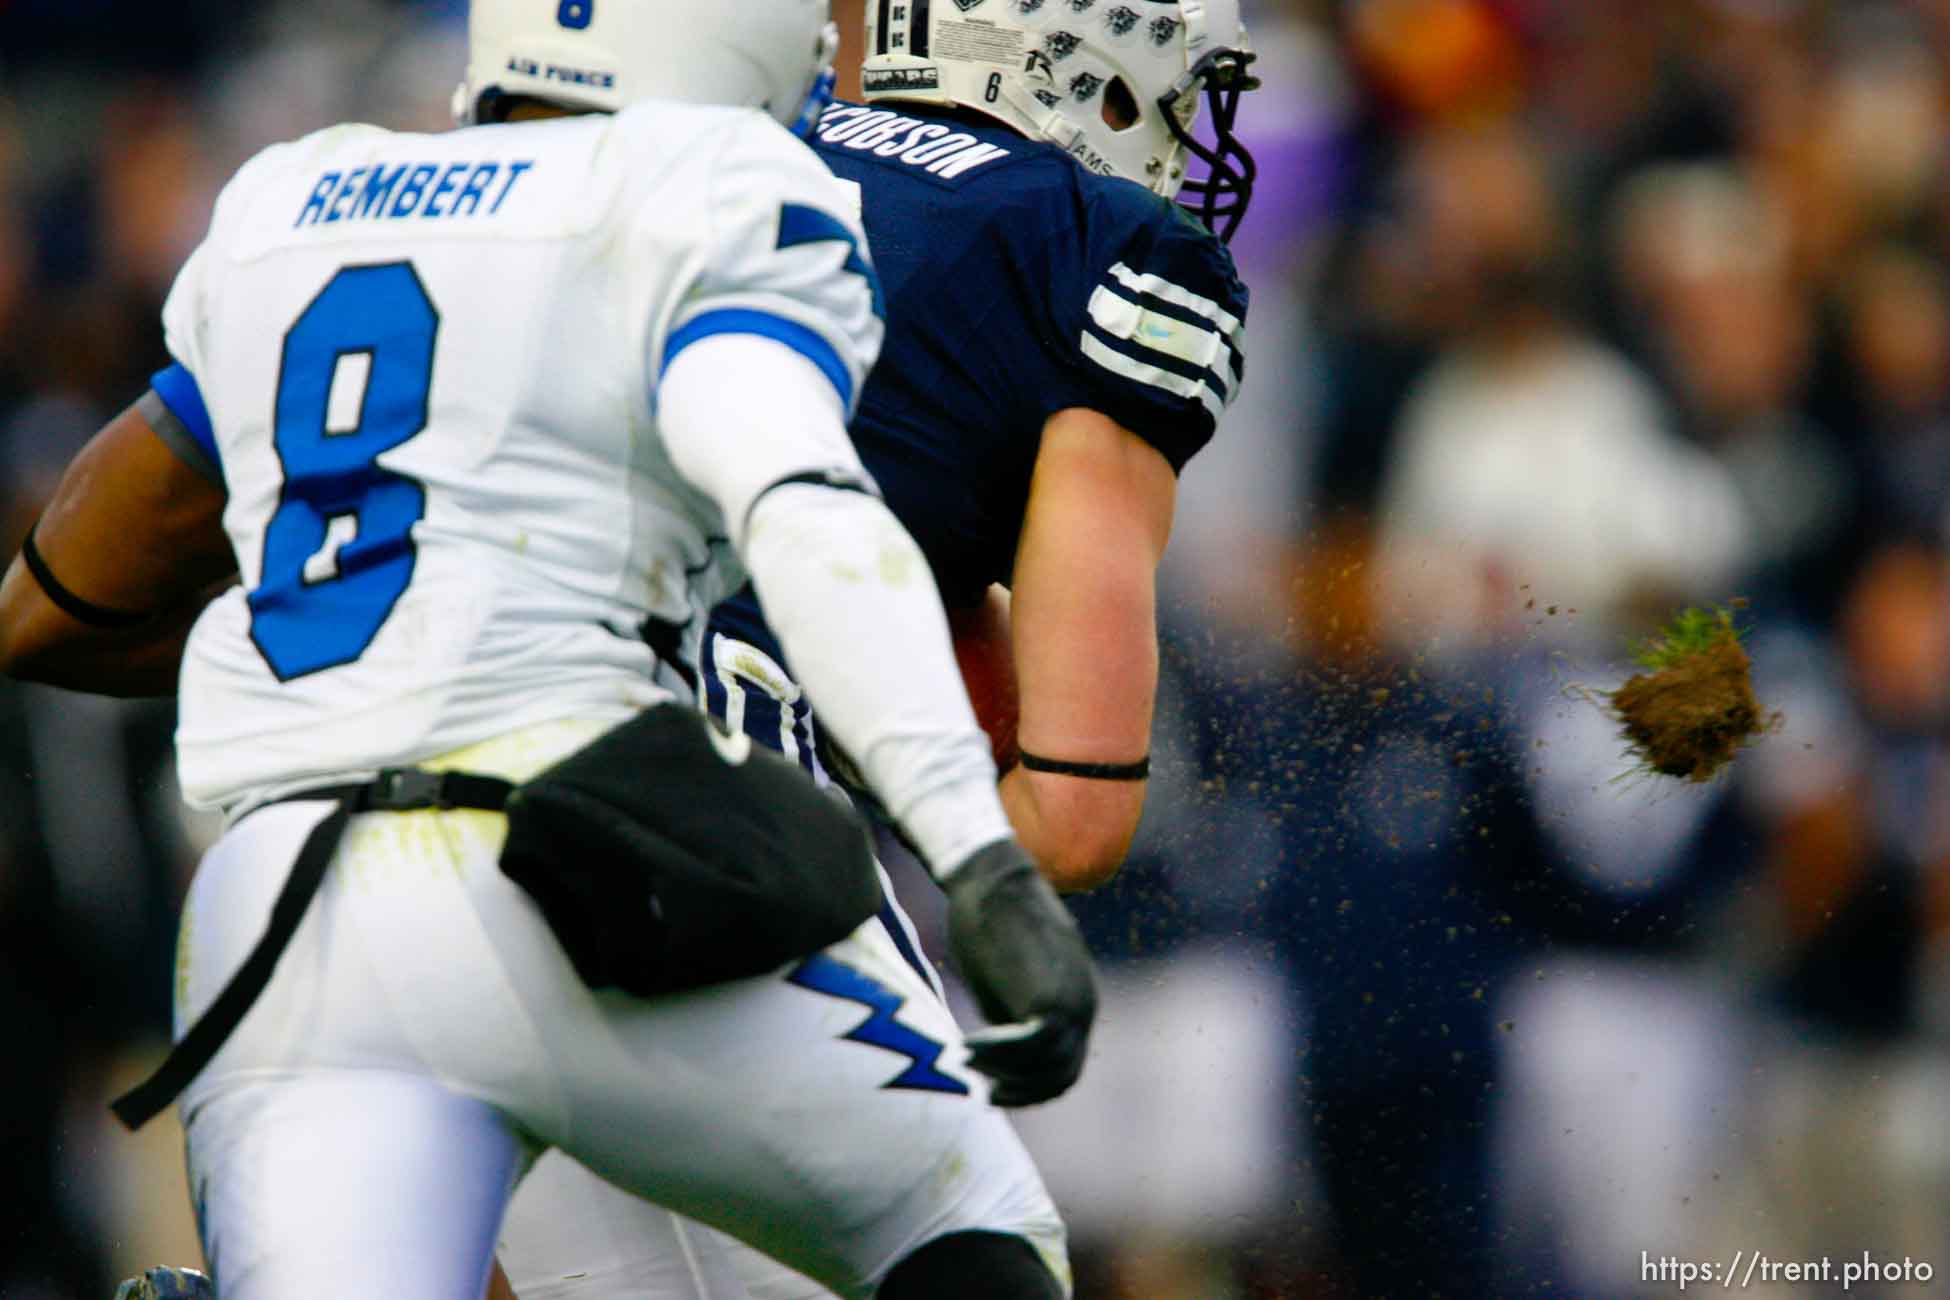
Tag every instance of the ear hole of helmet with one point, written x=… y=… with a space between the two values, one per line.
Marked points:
x=1120 y=106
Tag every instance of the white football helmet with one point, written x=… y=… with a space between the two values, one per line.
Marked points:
x=1117 y=83
x=607 y=54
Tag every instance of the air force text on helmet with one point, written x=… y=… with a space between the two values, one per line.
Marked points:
x=936 y=149
x=591 y=78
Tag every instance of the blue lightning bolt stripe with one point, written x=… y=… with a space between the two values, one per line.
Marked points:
x=836 y=979
x=799 y=224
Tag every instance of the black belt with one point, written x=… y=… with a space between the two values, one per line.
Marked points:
x=396 y=789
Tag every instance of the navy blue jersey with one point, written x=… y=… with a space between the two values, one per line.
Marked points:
x=1017 y=285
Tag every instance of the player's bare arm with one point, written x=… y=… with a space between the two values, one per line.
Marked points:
x=1086 y=645
x=131 y=546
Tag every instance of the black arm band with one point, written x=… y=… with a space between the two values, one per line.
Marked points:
x=81 y=611
x=1138 y=771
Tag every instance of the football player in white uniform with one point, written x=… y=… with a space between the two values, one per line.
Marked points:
x=465 y=416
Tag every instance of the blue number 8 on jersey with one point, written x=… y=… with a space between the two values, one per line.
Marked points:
x=339 y=551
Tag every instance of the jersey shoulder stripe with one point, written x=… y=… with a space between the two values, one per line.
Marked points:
x=1128 y=364
x=1161 y=297
x=787 y=261
x=1158 y=316
x=800 y=225
x=808 y=343
x=1141 y=325
x=183 y=401
x=1157 y=286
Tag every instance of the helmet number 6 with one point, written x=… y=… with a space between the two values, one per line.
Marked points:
x=575 y=14
x=994 y=91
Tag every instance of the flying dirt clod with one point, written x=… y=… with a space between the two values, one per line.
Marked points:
x=1693 y=709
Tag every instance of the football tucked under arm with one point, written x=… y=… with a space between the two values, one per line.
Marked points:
x=986 y=657
x=843 y=584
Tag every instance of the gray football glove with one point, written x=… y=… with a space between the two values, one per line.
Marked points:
x=1026 y=963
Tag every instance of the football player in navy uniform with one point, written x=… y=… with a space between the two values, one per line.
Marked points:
x=1062 y=338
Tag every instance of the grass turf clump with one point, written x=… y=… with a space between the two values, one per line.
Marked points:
x=1693 y=708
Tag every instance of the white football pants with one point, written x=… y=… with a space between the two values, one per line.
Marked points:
x=425 y=1037
x=569 y=1235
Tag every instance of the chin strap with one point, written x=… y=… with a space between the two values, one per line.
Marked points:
x=820 y=97
x=1048 y=123
x=818 y=100
x=1193 y=12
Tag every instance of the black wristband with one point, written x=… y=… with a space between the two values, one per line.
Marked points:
x=81 y=611
x=1138 y=771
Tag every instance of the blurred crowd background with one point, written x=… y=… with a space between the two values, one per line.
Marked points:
x=1566 y=313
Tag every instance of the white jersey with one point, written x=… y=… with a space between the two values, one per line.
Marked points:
x=425 y=368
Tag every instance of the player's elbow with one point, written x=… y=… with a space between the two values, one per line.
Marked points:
x=30 y=644
x=1078 y=868
x=17 y=660
x=1087 y=827
x=16 y=657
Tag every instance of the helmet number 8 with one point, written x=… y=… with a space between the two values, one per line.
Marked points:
x=576 y=14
